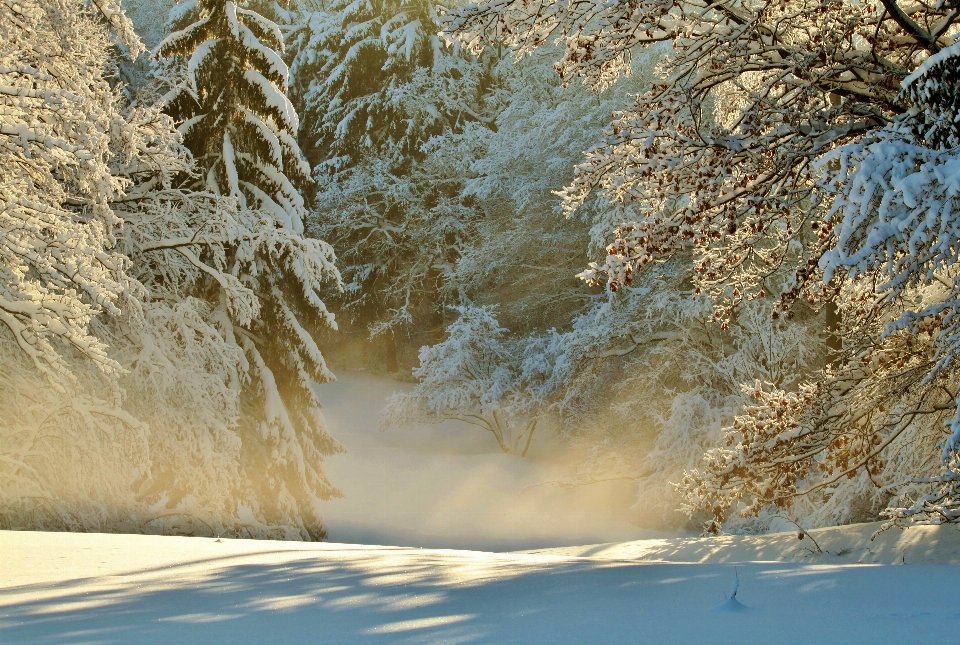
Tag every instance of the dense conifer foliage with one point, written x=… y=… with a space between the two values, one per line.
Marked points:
x=374 y=84
x=163 y=270
x=241 y=128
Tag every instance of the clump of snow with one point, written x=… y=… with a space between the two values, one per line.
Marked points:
x=731 y=605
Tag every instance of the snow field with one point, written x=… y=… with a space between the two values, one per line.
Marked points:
x=850 y=544
x=95 y=588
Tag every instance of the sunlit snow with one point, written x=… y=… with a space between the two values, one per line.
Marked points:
x=445 y=486
x=88 y=588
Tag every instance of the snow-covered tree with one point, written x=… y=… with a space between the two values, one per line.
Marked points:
x=642 y=382
x=876 y=417
x=57 y=266
x=896 y=215
x=473 y=376
x=59 y=269
x=374 y=84
x=504 y=172
x=232 y=102
x=717 y=155
x=67 y=446
x=730 y=160
x=241 y=128
x=373 y=76
x=511 y=174
x=112 y=260
x=400 y=235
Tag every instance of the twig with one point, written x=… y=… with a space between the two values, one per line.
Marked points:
x=803 y=533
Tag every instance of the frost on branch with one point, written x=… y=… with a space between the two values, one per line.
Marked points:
x=650 y=383
x=121 y=26
x=598 y=39
x=728 y=163
x=400 y=235
x=58 y=268
x=897 y=220
x=77 y=445
x=716 y=155
x=831 y=447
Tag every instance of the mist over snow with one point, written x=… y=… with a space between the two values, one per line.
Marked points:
x=450 y=486
x=355 y=321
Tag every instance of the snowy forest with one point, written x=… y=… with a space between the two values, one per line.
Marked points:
x=711 y=245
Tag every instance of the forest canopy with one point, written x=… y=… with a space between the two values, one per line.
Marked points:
x=712 y=245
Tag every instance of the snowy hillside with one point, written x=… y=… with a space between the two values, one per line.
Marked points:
x=90 y=588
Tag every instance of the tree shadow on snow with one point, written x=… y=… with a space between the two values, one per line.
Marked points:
x=406 y=596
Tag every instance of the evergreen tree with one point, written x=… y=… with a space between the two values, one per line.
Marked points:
x=373 y=77
x=241 y=128
x=375 y=84
x=94 y=271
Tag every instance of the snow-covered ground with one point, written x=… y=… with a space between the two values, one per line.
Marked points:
x=88 y=588
x=585 y=578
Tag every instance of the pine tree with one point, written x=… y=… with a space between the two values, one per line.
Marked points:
x=373 y=77
x=374 y=84
x=241 y=128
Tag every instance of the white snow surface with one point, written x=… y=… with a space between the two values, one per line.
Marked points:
x=93 y=588
x=449 y=486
